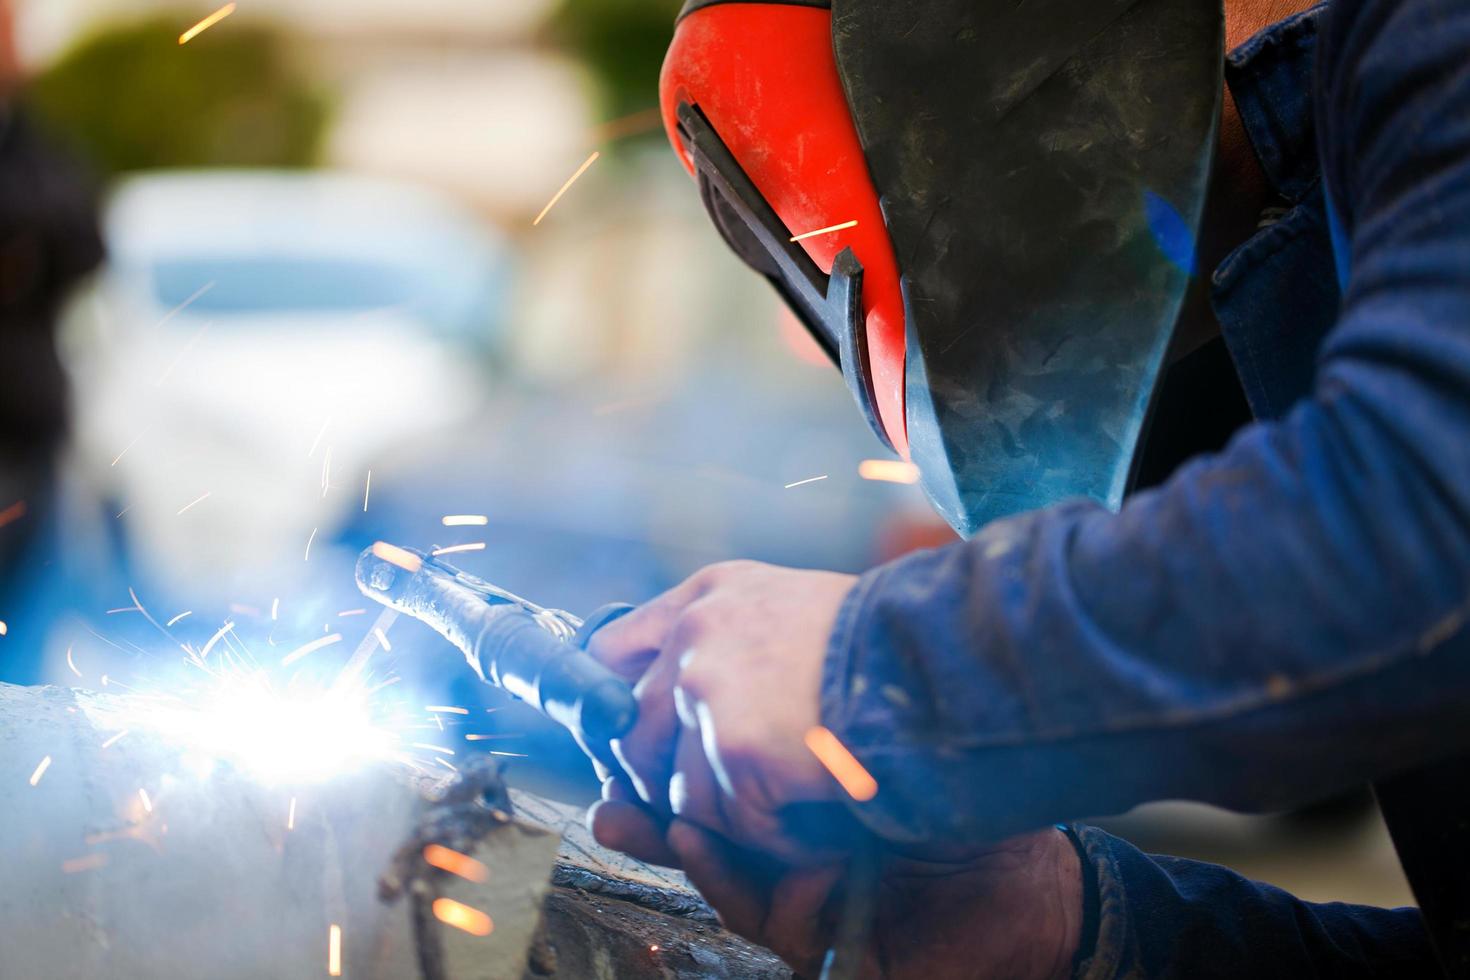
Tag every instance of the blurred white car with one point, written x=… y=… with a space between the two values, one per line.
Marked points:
x=256 y=339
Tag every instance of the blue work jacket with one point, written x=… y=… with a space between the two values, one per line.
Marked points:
x=1277 y=621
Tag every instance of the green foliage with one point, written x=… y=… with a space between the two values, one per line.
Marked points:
x=623 y=43
x=130 y=97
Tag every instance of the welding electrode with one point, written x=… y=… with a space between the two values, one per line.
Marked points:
x=509 y=647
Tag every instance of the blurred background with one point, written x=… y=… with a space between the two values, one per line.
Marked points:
x=325 y=317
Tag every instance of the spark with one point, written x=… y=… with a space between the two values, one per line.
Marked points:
x=4 y=629
x=205 y=25
x=188 y=346
x=448 y=709
x=802 y=483
x=317 y=441
x=565 y=187
x=645 y=121
x=383 y=639
x=72 y=663
x=888 y=471
x=841 y=763
x=465 y=520
x=183 y=615
x=824 y=231
x=120 y=513
x=143 y=796
x=334 y=950
x=455 y=549
x=432 y=748
x=367 y=491
x=188 y=302
x=613 y=407
x=118 y=458
x=309 y=540
x=438 y=856
x=40 y=770
x=12 y=513
x=462 y=916
x=311 y=647
x=275 y=607
x=394 y=555
x=446 y=765
x=327 y=471
x=291 y=815
x=216 y=638
x=114 y=739
x=87 y=862
x=198 y=500
x=484 y=738
x=653 y=948
x=123 y=609
x=351 y=612
x=513 y=755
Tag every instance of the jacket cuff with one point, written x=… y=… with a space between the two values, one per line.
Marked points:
x=1114 y=931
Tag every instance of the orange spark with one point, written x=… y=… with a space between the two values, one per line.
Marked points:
x=564 y=187
x=842 y=764
x=334 y=950
x=456 y=863
x=802 y=483
x=40 y=770
x=632 y=124
x=197 y=500
x=143 y=796
x=14 y=512
x=394 y=555
x=465 y=520
x=462 y=916
x=203 y=26
x=291 y=815
x=888 y=471
x=824 y=231
x=4 y=629
x=455 y=549
x=311 y=647
x=88 y=862
x=114 y=739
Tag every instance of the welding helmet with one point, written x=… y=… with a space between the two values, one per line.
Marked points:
x=1017 y=189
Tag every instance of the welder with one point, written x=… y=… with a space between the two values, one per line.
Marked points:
x=1043 y=194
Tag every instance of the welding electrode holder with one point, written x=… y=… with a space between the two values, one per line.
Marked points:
x=537 y=655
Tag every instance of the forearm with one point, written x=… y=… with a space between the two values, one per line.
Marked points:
x=1168 y=917
x=1254 y=634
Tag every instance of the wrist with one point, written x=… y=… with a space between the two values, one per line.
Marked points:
x=1066 y=891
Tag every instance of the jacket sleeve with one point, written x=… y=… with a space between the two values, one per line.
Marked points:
x=1167 y=917
x=1278 y=620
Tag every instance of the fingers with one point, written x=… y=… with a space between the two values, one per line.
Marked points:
x=629 y=644
x=629 y=827
x=723 y=875
x=646 y=753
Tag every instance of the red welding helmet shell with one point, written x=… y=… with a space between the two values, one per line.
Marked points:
x=764 y=75
x=1022 y=184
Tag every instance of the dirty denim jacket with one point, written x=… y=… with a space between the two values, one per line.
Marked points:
x=1278 y=621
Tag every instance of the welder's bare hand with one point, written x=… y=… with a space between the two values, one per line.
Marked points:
x=728 y=669
x=1011 y=909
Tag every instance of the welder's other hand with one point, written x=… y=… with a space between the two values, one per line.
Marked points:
x=728 y=670
x=1012 y=909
